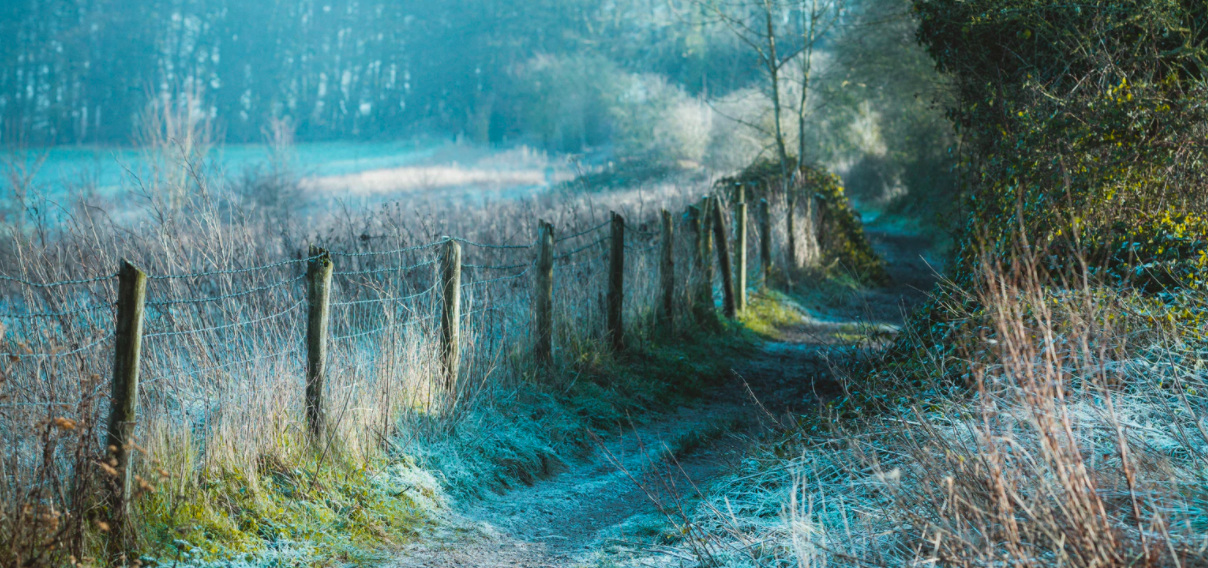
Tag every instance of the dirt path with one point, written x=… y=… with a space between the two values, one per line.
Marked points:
x=605 y=505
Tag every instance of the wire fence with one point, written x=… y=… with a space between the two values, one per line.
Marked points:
x=232 y=349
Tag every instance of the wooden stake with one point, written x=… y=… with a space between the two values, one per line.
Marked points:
x=667 y=271
x=790 y=220
x=450 y=320
x=697 y=287
x=706 y=248
x=544 y=294
x=318 y=295
x=616 y=283
x=123 y=412
x=765 y=241
x=723 y=259
x=740 y=256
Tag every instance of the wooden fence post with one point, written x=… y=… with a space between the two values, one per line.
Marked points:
x=123 y=412
x=723 y=259
x=616 y=283
x=697 y=287
x=791 y=222
x=765 y=241
x=318 y=295
x=450 y=318
x=706 y=249
x=545 y=294
x=740 y=256
x=667 y=270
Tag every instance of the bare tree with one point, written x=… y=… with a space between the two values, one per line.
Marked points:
x=781 y=33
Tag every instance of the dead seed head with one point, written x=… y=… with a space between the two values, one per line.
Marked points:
x=108 y=469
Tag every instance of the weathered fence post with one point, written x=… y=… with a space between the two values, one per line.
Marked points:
x=706 y=249
x=616 y=283
x=318 y=295
x=790 y=216
x=697 y=287
x=450 y=316
x=723 y=259
x=740 y=255
x=123 y=412
x=545 y=294
x=667 y=270
x=765 y=241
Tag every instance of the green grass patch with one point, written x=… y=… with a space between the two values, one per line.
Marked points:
x=292 y=515
x=769 y=311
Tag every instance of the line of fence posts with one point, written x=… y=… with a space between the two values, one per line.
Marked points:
x=706 y=222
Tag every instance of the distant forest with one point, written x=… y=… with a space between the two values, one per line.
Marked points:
x=84 y=71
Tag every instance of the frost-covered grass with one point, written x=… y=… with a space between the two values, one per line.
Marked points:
x=226 y=469
x=1063 y=426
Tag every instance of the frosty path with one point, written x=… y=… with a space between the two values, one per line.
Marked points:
x=609 y=508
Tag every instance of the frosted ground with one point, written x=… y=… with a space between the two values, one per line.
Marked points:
x=356 y=172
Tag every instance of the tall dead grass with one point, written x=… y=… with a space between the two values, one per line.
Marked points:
x=223 y=356
x=1074 y=435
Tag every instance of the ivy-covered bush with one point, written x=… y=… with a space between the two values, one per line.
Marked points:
x=840 y=233
x=1086 y=127
x=1084 y=136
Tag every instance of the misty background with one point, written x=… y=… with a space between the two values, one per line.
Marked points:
x=382 y=97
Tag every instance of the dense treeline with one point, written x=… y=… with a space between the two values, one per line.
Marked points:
x=82 y=71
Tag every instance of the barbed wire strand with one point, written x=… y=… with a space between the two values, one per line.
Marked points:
x=226 y=296
x=582 y=248
x=227 y=326
x=384 y=300
x=502 y=247
x=580 y=234
x=381 y=270
x=385 y=252
x=43 y=315
x=232 y=271
x=103 y=339
x=57 y=284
